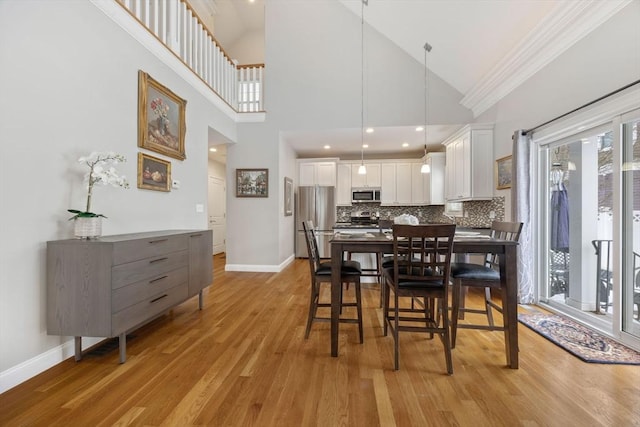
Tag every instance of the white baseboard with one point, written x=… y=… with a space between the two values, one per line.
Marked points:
x=260 y=268
x=36 y=365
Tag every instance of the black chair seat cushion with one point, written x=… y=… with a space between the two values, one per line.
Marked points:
x=411 y=283
x=348 y=267
x=463 y=270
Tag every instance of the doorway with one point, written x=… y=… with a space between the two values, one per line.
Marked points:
x=217 y=213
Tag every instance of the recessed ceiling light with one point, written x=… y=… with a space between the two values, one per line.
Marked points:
x=213 y=150
x=419 y=129
x=326 y=147
x=365 y=145
x=369 y=130
x=405 y=144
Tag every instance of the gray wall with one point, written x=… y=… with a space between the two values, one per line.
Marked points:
x=69 y=85
x=605 y=60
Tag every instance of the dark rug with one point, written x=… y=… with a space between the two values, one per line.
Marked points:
x=579 y=340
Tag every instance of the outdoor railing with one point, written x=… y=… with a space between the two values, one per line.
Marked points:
x=175 y=24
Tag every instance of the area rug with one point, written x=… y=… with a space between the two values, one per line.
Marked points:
x=579 y=340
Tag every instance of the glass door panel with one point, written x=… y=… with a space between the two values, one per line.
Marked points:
x=631 y=227
x=579 y=224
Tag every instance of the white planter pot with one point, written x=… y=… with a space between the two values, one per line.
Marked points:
x=87 y=228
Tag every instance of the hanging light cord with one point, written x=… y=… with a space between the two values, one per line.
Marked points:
x=427 y=48
x=362 y=82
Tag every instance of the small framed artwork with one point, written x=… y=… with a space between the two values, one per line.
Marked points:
x=153 y=173
x=161 y=126
x=252 y=182
x=503 y=173
x=288 y=196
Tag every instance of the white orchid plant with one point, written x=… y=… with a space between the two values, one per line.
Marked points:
x=101 y=171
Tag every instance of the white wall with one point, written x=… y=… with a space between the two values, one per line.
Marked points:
x=603 y=61
x=69 y=85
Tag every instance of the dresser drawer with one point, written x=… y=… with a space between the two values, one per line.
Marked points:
x=143 y=290
x=132 y=250
x=150 y=268
x=137 y=314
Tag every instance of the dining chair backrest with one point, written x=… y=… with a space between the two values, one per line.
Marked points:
x=312 y=246
x=422 y=253
x=502 y=230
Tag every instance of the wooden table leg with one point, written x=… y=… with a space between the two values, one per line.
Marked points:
x=336 y=264
x=78 y=348
x=509 y=287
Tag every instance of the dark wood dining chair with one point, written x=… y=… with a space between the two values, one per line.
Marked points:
x=486 y=275
x=421 y=268
x=321 y=273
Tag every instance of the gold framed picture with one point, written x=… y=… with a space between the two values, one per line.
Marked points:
x=503 y=173
x=252 y=182
x=161 y=118
x=153 y=173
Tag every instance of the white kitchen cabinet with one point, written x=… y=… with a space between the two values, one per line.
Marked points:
x=469 y=163
x=387 y=184
x=418 y=181
x=433 y=193
x=403 y=183
x=321 y=173
x=370 y=179
x=343 y=185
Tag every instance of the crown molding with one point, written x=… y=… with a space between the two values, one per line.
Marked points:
x=562 y=28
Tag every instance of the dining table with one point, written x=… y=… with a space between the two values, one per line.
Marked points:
x=464 y=243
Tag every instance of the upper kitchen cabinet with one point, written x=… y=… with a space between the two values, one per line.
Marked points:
x=343 y=187
x=433 y=191
x=370 y=179
x=469 y=163
x=322 y=173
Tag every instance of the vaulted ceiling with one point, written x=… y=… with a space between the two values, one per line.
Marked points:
x=482 y=48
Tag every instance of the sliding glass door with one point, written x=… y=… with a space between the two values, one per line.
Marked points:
x=588 y=212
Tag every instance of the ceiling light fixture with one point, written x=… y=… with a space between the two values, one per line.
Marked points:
x=326 y=147
x=362 y=170
x=213 y=150
x=405 y=144
x=425 y=168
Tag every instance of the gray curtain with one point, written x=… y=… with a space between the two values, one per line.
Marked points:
x=521 y=211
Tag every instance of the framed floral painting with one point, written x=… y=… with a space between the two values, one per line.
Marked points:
x=161 y=124
x=252 y=182
x=153 y=173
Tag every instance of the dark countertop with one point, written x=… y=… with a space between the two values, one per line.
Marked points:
x=342 y=225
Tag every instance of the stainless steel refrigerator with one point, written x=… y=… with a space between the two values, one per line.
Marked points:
x=317 y=204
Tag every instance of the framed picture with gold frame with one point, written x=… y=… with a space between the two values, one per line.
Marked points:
x=153 y=173
x=161 y=118
x=504 y=170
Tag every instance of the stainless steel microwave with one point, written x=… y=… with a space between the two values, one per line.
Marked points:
x=365 y=195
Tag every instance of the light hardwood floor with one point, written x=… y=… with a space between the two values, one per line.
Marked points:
x=243 y=361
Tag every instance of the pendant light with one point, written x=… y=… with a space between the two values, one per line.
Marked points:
x=425 y=168
x=362 y=170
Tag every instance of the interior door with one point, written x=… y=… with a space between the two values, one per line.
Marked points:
x=217 y=213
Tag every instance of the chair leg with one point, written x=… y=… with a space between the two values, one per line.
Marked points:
x=446 y=341
x=313 y=307
x=487 y=299
x=455 y=304
x=379 y=268
x=359 y=309
x=462 y=301
x=385 y=309
x=396 y=334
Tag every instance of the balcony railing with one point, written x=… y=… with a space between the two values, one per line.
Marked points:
x=179 y=28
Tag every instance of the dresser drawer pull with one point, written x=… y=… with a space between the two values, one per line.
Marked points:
x=151 y=242
x=158 y=260
x=158 y=299
x=196 y=235
x=159 y=278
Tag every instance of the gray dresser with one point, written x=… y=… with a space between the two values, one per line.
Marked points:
x=111 y=285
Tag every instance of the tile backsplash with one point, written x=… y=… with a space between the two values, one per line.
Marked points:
x=476 y=213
